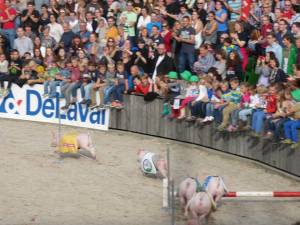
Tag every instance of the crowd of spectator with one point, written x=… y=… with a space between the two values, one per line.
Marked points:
x=207 y=61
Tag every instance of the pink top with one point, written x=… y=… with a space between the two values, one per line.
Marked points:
x=245 y=99
x=75 y=74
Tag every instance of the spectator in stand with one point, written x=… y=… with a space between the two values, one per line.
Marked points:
x=91 y=23
x=166 y=34
x=205 y=61
x=234 y=7
x=56 y=30
x=265 y=29
x=296 y=30
x=143 y=85
x=129 y=18
x=260 y=115
x=144 y=19
x=288 y=11
x=273 y=46
x=289 y=55
x=221 y=18
x=63 y=17
x=155 y=37
x=187 y=40
x=22 y=43
x=112 y=30
x=161 y=62
x=283 y=31
x=14 y=73
x=83 y=33
x=154 y=21
x=277 y=75
x=7 y=18
x=30 y=17
x=201 y=11
x=209 y=32
x=233 y=67
x=67 y=37
x=240 y=38
x=70 y=84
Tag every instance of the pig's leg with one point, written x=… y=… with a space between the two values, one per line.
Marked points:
x=162 y=167
x=202 y=220
x=84 y=143
x=54 y=142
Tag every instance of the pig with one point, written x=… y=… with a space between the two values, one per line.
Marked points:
x=152 y=164
x=84 y=143
x=199 y=208
x=216 y=187
x=187 y=188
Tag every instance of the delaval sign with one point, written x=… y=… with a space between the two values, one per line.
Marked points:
x=28 y=104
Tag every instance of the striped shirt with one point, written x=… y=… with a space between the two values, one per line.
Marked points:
x=235 y=5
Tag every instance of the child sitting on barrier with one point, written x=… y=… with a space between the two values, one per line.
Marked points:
x=232 y=104
x=214 y=99
x=49 y=76
x=99 y=86
x=3 y=71
x=67 y=88
x=119 y=86
x=275 y=123
x=110 y=83
x=192 y=93
x=88 y=81
x=197 y=107
x=14 y=73
x=261 y=114
x=244 y=104
x=293 y=124
x=224 y=99
x=143 y=85
x=256 y=101
x=174 y=89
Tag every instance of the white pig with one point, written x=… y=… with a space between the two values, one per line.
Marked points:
x=187 y=188
x=199 y=208
x=152 y=164
x=215 y=186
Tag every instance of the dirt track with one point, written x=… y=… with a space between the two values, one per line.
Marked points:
x=37 y=188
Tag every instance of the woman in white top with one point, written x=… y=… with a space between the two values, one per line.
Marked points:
x=144 y=19
x=56 y=30
x=198 y=26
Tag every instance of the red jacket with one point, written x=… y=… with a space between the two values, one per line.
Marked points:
x=140 y=89
x=271 y=103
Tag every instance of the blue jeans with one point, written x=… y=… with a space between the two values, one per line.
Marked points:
x=234 y=117
x=186 y=59
x=244 y=113
x=210 y=109
x=258 y=121
x=86 y=90
x=118 y=92
x=291 y=129
x=107 y=93
x=218 y=114
x=10 y=34
x=53 y=85
x=74 y=89
x=46 y=87
x=276 y=127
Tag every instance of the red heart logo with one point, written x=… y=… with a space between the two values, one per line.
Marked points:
x=19 y=102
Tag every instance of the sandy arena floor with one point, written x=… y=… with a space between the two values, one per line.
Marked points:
x=38 y=188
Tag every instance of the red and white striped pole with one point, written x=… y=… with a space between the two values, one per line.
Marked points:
x=276 y=194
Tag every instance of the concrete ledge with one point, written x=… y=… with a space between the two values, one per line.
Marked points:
x=145 y=118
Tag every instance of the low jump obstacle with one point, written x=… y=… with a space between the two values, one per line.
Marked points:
x=274 y=194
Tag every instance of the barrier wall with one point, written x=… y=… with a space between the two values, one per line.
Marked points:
x=142 y=117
